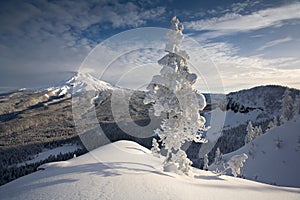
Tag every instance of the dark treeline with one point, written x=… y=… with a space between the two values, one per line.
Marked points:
x=13 y=161
x=15 y=171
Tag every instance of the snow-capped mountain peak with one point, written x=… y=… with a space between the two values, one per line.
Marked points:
x=80 y=82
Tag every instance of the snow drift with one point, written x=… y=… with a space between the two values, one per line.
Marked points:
x=126 y=170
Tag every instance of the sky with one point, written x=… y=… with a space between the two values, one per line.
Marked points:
x=248 y=43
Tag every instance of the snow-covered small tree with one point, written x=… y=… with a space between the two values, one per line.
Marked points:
x=184 y=164
x=276 y=120
x=206 y=161
x=235 y=163
x=271 y=125
x=287 y=105
x=175 y=100
x=281 y=120
x=255 y=131
x=155 y=148
x=250 y=133
x=258 y=131
x=218 y=157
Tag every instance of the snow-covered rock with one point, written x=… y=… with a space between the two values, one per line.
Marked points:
x=126 y=170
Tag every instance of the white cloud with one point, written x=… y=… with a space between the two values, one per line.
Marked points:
x=42 y=36
x=236 y=69
x=241 y=6
x=128 y=59
x=216 y=64
x=232 y=23
x=274 y=43
x=240 y=71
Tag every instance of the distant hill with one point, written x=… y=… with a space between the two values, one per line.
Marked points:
x=259 y=105
x=264 y=98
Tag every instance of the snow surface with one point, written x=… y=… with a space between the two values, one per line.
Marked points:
x=269 y=164
x=126 y=170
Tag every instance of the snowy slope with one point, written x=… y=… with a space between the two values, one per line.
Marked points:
x=126 y=170
x=269 y=163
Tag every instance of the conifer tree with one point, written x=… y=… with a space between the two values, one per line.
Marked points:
x=174 y=99
x=205 y=167
x=155 y=148
x=287 y=105
x=271 y=125
x=250 y=133
x=258 y=131
x=218 y=156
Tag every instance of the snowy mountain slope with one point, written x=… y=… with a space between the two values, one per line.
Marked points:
x=29 y=99
x=257 y=104
x=126 y=170
x=274 y=157
x=78 y=83
x=264 y=98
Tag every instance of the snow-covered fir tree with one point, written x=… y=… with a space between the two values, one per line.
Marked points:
x=236 y=163
x=218 y=157
x=184 y=164
x=250 y=133
x=281 y=120
x=255 y=131
x=155 y=148
x=258 y=131
x=271 y=125
x=287 y=105
x=233 y=165
x=206 y=161
x=174 y=99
